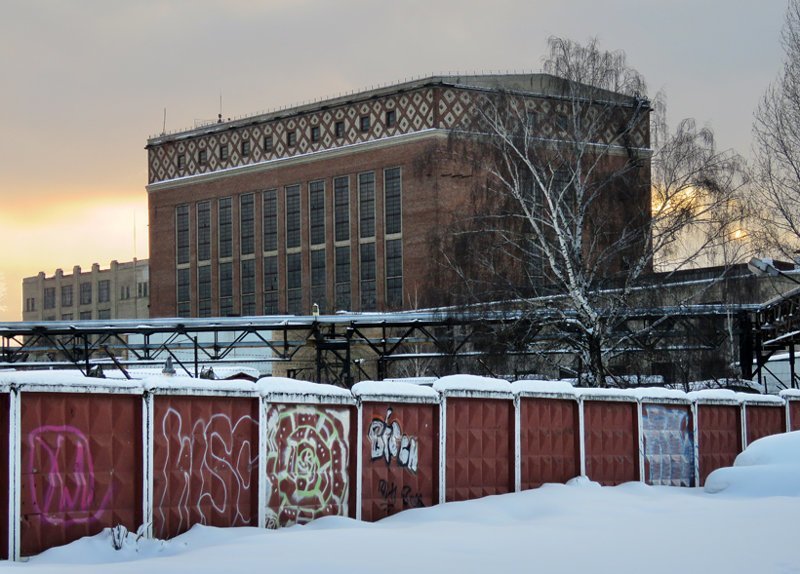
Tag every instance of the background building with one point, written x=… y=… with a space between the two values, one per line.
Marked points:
x=120 y=292
x=337 y=203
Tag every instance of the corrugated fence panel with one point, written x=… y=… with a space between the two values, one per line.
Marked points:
x=308 y=466
x=400 y=450
x=81 y=466
x=764 y=421
x=549 y=441
x=668 y=444
x=612 y=444
x=205 y=463
x=794 y=414
x=719 y=437
x=4 y=431
x=479 y=447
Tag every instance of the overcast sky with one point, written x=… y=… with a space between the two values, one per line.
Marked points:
x=85 y=82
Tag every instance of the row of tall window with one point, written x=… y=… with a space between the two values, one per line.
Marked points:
x=295 y=226
x=268 y=143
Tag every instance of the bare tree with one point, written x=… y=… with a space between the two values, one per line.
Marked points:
x=570 y=208
x=776 y=148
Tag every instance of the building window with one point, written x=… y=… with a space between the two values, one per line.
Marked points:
x=86 y=293
x=316 y=192
x=104 y=291
x=245 y=148
x=292 y=216
x=294 y=283
x=271 y=285
x=248 y=285
x=85 y=316
x=339 y=129
x=204 y=231
x=223 y=151
x=268 y=143
x=394 y=273
x=49 y=297
x=270 y=215
x=181 y=161
x=247 y=224
x=315 y=134
x=391 y=118
x=367 y=266
x=291 y=138
x=142 y=291
x=366 y=204
x=204 y=291
x=125 y=292
x=182 y=228
x=318 y=279
x=202 y=157
x=363 y=123
x=104 y=314
x=225 y=289
x=66 y=316
x=392 y=204
x=224 y=226
x=341 y=208
x=30 y=304
x=184 y=292
x=66 y=295
x=342 y=277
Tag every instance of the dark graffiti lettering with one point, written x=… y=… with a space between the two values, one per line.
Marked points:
x=388 y=442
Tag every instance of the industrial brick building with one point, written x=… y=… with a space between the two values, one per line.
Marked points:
x=333 y=204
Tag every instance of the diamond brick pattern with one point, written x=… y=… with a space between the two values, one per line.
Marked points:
x=480 y=449
x=612 y=443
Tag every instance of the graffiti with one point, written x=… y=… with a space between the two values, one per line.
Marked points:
x=69 y=490
x=306 y=463
x=211 y=468
x=668 y=445
x=388 y=493
x=388 y=442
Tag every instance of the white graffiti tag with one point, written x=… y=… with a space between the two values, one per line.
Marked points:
x=388 y=442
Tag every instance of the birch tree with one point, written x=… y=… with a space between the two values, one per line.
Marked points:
x=572 y=213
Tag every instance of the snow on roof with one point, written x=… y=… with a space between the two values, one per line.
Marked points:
x=472 y=384
x=377 y=389
x=543 y=387
x=280 y=388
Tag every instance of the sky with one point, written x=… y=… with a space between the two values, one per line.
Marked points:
x=86 y=82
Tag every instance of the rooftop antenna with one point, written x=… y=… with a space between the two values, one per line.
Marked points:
x=219 y=117
x=164 y=125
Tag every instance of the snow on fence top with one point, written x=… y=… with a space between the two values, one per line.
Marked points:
x=790 y=393
x=473 y=386
x=533 y=387
x=403 y=391
x=67 y=381
x=280 y=389
x=190 y=386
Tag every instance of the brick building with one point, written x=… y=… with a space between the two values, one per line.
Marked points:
x=119 y=292
x=334 y=203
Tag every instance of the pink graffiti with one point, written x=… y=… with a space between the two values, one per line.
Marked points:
x=66 y=490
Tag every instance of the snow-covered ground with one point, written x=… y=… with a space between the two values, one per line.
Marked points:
x=745 y=520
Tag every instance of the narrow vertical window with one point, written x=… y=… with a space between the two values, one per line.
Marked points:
x=392 y=204
x=103 y=291
x=341 y=209
x=246 y=224
x=367 y=265
x=271 y=285
x=318 y=279
x=294 y=283
x=204 y=291
x=225 y=289
x=316 y=192
x=270 y=224
x=342 y=278
x=203 y=231
x=248 y=285
x=394 y=273
x=292 y=216
x=224 y=226
x=366 y=204
x=182 y=227
x=183 y=294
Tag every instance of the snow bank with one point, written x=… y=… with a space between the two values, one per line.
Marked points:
x=769 y=466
